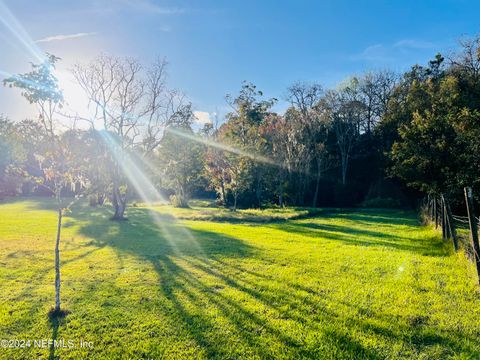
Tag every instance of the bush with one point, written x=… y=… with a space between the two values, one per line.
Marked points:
x=348 y=195
x=10 y=186
x=385 y=203
x=101 y=199
x=96 y=199
x=178 y=201
x=92 y=200
x=424 y=215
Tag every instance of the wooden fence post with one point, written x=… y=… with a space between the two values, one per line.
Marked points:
x=451 y=225
x=442 y=218
x=473 y=228
x=435 y=211
x=448 y=229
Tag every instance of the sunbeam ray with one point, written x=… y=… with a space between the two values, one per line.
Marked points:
x=147 y=192
x=207 y=142
x=32 y=84
x=220 y=146
x=13 y=26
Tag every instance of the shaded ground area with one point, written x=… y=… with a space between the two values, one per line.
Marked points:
x=338 y=285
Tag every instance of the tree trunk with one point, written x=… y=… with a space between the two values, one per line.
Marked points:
x=258 y=187
x=119 y=203
x=182 y=198
x=344 y=169
x=224 y=195
x=235 y=202
x=317 y=184
x=100 y=199
x=120 y=214
x=115 y=200
x=57 y=261
x=258 y=193
x=303 y=191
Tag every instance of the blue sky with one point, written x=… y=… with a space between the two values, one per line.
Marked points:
x=213 y=45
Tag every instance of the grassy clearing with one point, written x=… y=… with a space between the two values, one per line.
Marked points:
x=207 y=211
x=341 y=285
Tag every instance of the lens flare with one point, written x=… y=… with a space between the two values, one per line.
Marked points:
x=215 y=144
x=148 y=193
x=220 y=146
x=17 y=31
x=36 y=85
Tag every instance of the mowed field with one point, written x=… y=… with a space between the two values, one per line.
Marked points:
x=207 y=283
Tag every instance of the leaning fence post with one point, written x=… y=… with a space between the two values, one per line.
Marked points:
x=451 y=224
x=442 y=219
x=473 y=228
x=448 y=230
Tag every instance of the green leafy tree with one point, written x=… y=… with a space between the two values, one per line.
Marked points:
x=11 y=160
x=40 y=88
x=181 y=158
x=241 y=131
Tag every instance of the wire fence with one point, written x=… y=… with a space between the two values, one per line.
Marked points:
x=462 y=230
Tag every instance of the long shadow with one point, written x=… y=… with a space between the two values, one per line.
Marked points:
x=182 y=269
x=55 y=324
x=389 y=217
x=142 y=237
x=407 y=329
x=365 y=237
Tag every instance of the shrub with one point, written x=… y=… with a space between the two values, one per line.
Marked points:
x=101 y=199
x=348 y=195
x=178 y=201
x=386 y=203
x=10 y=186
x=92 y=200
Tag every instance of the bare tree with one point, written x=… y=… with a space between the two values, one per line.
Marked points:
x=376 y=88
x=347 y=112
x=134 y=105
x=305 y=98
x=467 y=60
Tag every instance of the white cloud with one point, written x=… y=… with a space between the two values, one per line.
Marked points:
x=376 y=52
x=414 y=44
x=64 y=37
x=401 y=50
x=202 y=117
x=165 y=28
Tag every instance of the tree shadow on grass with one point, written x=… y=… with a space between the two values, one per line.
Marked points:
x=306 y=306
x=55 y=319
x=370 y=236
x=381 y=216
x=201 y=270
x=161 y=235
x=55 y=323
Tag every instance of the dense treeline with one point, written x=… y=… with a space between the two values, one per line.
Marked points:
x=378 y=139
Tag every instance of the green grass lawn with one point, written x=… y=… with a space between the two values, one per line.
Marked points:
x=322 y=285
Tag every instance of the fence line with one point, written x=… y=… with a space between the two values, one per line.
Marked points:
x=462 y=230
